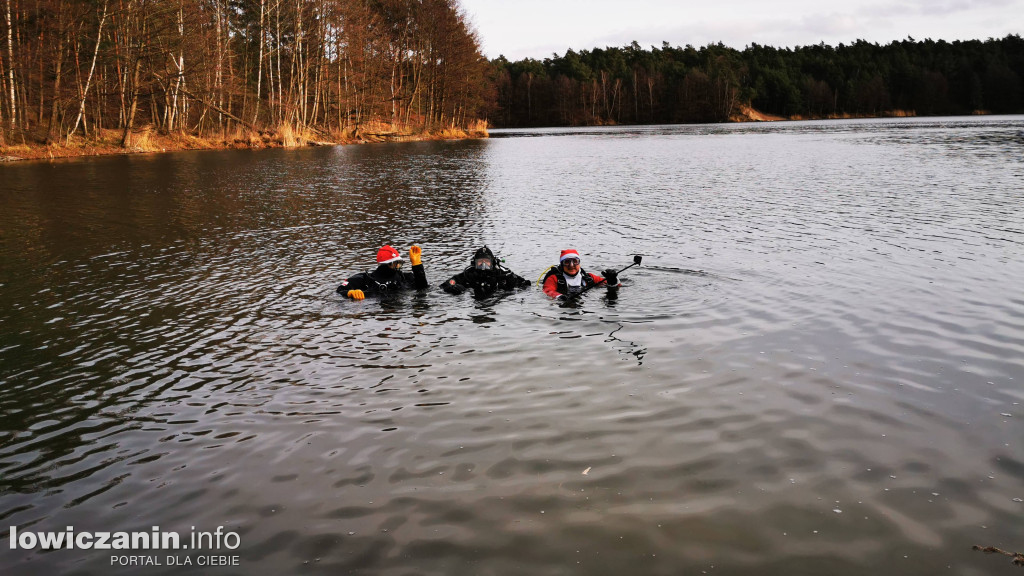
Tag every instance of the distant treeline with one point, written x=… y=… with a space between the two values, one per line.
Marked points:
x=632 y=85
x=76 y=67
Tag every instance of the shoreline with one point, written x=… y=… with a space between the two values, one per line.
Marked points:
x=147 y=141
x=748 y=114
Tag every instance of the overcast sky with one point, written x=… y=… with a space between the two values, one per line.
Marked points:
x=537 y=28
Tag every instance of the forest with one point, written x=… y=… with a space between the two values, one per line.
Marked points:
x=123 y=69
x=280 y=71
x=632 y=85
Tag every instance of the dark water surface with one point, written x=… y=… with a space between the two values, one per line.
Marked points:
x=818 y=369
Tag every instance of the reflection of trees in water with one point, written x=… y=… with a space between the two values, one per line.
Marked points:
x=415 y=193
x=362 y=196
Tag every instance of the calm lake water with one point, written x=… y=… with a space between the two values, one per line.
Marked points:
x=817 y=369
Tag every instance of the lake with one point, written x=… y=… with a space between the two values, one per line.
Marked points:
x=818 y=368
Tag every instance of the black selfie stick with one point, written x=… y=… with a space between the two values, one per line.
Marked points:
x=636 y=262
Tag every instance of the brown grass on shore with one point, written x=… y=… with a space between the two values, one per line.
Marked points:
x=148 y=140
x=748 y=114
x=477 y=129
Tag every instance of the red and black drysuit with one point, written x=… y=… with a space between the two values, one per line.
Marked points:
x=555 y=285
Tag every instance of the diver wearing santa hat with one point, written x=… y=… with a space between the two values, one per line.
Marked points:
x=388 y=277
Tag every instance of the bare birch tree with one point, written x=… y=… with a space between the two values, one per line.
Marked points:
x=92 y=68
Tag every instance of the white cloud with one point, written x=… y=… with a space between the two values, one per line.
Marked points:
x=537 y=28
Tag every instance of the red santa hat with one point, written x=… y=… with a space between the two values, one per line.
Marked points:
x=387 y=255
x=570 y=253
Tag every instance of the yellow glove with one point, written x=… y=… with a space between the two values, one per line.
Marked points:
x=356 y=294
x=415 y=253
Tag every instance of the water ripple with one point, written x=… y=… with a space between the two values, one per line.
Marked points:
x=816 y=368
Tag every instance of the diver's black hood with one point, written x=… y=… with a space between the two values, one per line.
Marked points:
x=481 y=253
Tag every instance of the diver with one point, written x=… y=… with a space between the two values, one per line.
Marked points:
x=484 y=276
x=567 y=279
x=388 y=277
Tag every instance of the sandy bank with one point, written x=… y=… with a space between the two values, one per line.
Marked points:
x=32 y=147
x=748 y=114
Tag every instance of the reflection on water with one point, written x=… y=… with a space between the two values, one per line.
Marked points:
x=816 y=369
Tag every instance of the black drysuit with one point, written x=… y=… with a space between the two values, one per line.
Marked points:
x=384 y=279
x=484 y=282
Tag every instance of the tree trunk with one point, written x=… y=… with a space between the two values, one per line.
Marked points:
x=259 y=63
x=280 y=79
x=218 y=74
x=179 y=63
x=133 y=105
x=10 y=68
x=51 y=129
x=92 y=68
